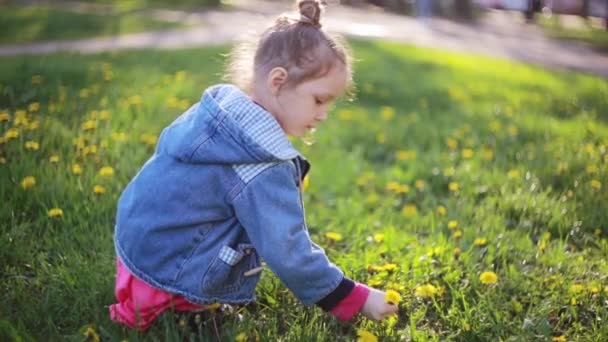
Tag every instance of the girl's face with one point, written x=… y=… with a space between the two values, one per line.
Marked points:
x=302 y=107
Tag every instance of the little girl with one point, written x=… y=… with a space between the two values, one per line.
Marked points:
x=222 y=189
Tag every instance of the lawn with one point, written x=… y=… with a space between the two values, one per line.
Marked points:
x=591 y=33
x=40 y=23
x=453 y=169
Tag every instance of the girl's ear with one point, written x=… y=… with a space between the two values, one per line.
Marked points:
x=277 y=77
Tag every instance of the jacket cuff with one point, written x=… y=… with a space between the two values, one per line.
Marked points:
x=352 y=304
x=336 y=296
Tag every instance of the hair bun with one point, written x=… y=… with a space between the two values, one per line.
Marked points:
x=310 y=12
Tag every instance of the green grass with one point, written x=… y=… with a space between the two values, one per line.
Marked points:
x=593 y=35
x=39 y=23
x=513 y=154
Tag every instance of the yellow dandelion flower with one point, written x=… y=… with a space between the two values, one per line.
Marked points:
x=403 y=155
x=457 y=234
x=2 y=160
x=513 y=174
x=577 y=288
x=54 y=158
x=387 y=113
x=392 y=186
x=457 y=252
x=426 y=291
x=104 y=115
x=372 y=198
x=91 y=335
x=366 y=336
x=480 y=242
x=148 y=139
x=453 y=224
x=402 y=189
x=392 y=297
x=409 y=210
x=242 y=337
x=452 y=143
x=32 y=145
x=449 y=171
x=89 y=125
x=55 y=212
x=488 y=278
x=454 y=186
x=76 y=169
x=305 y=183
x=495 y=126
x=28 y=182
x=487 y=153
x=91 y=149
x=592 y=169
x=119 y=136
x=33 y=107
x=98 y=189
x=419 y=184
x=3 y=140
x=467 y=153
x=596 y=184
x=11 y=133
x=36 y=79
x=333 y=236
x=4 y=116
x=106 y=171
x=441 y=210
x=379 y=237
x=32 y=126
x=389 y=267
x=561 y=338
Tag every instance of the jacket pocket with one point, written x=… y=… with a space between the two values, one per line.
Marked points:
x=231 y=269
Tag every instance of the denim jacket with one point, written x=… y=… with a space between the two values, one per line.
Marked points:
x=220 y=192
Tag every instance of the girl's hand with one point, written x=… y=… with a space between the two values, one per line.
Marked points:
x=376 y=307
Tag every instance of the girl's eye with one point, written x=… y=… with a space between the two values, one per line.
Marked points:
x=317 y=101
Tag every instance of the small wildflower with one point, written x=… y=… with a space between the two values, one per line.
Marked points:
x=104 y=115
x=98 y=189
x=457 y=234
x=457 y=252
x=426 y=291
x=420 y=184
x=409 y=210
x=91 y=335
x=487 y=154
x=89 y=125
x=305 y=183
x=388 y=113
x=596 y=184
x=333 y=236
x=452 y=143
x=4 y=116
x=467 y=153
x=453 y=224
x=392 y=297
x=12 y=133
x=488 y=278
x=106 y=171
x=54 y=158
x=33 y=107
x=366 y=336
x=148 y=139
x=561 y=338
x=55 y=212
x=2 y=160
x=32 y=145
x=577 y=288
x=28 y=182
x=453 y=186
x=242 y=337
x=76 y=169
x=402 y=155
x=441 y=210
x=32 y=126
x=592 y=169
x=378 y=237
x=480 y=242
x=119 y=136
x=513 y=174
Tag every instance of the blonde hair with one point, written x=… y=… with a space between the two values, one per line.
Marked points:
x=297 y=43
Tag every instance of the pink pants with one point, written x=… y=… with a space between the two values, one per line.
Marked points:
x=139 y=304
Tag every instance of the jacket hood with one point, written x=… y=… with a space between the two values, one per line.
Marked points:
x=226 y=127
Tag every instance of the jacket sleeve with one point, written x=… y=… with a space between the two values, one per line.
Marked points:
x=270 y=210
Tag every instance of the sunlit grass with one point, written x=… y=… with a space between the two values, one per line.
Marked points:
x=39 y=23
x=474 y=188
